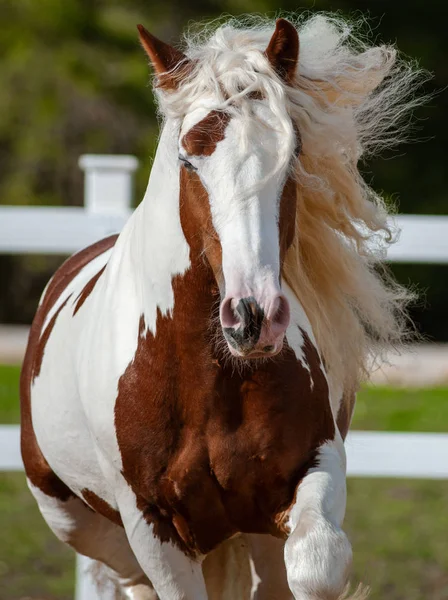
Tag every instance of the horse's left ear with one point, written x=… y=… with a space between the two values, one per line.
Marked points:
x=169 y=63
x=283 y=50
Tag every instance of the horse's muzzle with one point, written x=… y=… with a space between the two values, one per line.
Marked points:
x=252 y=331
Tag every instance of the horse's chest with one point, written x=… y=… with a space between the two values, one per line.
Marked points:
x=208 y=461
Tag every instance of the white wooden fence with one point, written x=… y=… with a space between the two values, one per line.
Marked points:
x=107 y=205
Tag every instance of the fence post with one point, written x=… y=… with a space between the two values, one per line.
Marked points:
x=108 y=189
x=108 y=182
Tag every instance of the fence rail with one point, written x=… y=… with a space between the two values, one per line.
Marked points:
x=107 y=205
x=64 y=230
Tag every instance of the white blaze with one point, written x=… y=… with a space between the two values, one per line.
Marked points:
x=244 y=189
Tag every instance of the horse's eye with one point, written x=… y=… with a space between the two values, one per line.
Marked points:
x=187 y=164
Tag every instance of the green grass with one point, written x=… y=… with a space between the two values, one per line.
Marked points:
x=33 y=563
x=399 y=528
x=9 y=394
x=391 y=409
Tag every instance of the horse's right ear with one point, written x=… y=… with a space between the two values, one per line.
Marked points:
x=283 y=50
x=170 y=64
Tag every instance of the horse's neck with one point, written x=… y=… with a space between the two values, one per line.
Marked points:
x=153 y=247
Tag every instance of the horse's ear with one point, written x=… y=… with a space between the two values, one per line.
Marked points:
x=169 y=63
x=283 y=50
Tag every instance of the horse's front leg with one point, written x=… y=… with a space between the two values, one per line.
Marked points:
x=173 y=575
x=318 y=554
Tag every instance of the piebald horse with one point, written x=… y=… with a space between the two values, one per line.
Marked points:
x=188 y=384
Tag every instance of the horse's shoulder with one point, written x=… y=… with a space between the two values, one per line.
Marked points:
x=69 y=270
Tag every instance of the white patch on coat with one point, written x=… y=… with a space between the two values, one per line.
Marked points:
x=159 y=248
x=62 y=516
x=59 y=422
x=173 y=575
x=299 y=321
x=317 y=553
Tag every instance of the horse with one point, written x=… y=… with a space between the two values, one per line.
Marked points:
x=188 y=384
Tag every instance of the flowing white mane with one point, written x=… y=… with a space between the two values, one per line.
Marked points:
x=349 y=100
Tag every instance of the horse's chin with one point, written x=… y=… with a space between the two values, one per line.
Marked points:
x=256 y=353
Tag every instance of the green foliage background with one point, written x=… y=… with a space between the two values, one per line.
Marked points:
x=74 y=80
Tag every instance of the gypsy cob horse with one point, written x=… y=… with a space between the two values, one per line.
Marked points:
x=188 y=384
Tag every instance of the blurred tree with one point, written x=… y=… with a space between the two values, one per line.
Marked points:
x=74 y=81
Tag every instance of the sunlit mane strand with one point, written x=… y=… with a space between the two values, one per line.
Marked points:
x=349 y=100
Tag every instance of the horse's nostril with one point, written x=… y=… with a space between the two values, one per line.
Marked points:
x=268 y=348
x=229 y=318
x=280 y=313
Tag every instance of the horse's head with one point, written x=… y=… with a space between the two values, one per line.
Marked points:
x=237 y=199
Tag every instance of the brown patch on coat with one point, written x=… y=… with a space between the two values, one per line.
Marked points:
x=101 y=506
x=37 y=468
x=197 y=223
x=87 y=290
x=208 y=450
x=202 y=138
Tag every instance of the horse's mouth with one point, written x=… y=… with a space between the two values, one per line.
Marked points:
x=254 y=351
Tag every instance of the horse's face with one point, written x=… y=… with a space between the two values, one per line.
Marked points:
x=238 y=209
